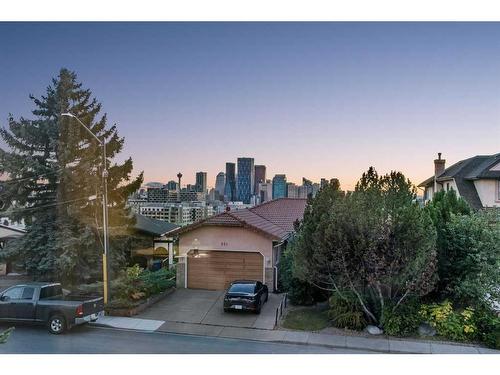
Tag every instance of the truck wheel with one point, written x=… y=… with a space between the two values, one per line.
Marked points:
x=57 y=324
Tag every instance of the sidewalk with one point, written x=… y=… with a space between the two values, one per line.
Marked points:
x=379 y=345
x=146 y=325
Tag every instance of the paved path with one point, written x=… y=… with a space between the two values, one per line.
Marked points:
x=146 y=325
x=206 y=307
x=373 y=344
x=92 y=340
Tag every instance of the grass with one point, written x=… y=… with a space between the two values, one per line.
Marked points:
x=307 y=319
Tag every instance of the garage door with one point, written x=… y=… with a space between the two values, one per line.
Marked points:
x=215 y=270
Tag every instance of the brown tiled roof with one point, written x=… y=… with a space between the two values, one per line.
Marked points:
x=282 y=212
x=274 y=218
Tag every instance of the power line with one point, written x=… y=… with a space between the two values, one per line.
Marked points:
x=48 y=205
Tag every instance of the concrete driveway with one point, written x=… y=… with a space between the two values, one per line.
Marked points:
x=206 y=307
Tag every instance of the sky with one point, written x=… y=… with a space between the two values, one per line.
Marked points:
x=314 y=100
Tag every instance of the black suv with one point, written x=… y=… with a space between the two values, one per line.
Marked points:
x=245 y=295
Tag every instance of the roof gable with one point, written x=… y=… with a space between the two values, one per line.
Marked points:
x=274 y=218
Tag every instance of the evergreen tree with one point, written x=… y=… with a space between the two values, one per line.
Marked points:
x=375 y=244
x=443 y=207
x=55 y=184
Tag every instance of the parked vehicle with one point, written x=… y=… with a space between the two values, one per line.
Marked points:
x=44 y=303
x=246 y=295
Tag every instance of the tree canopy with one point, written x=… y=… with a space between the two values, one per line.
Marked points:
x=54 y=168
x=375 y=243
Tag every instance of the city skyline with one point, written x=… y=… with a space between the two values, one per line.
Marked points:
x=308 y=99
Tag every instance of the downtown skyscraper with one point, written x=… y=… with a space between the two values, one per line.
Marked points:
x=230 y=186
x=201 y=182
x=246 y=179
x=260 y=177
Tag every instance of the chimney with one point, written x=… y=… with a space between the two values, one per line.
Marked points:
x=439 y=165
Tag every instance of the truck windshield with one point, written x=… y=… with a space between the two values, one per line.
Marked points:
x=50 y=292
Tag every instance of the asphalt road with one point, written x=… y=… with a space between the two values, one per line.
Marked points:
x=92 y=340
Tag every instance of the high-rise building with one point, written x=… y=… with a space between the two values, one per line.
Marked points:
x=279 y=186
x=155 y=194
x=307 y=186
x=230 y=186
x=201 y=182
x=292 y=190
x=265 y=191
x=246 y=178
x=172 y=185
x=178 y=213
x=220 y=182
x=260 y=176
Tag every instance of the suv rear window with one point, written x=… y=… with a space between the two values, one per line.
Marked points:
x=51 y=292
x=242 y=288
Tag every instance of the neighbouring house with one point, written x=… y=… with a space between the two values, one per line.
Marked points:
x=161 y=250
x=8 y=233
x=242 y=244
x=476 y=179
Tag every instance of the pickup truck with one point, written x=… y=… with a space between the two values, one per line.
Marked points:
x=45 y=303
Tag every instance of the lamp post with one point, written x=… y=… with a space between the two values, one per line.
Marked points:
x=102 y=143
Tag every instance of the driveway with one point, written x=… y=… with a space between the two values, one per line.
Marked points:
x=206 y=307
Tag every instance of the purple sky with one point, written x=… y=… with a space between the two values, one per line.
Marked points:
x=305 y=99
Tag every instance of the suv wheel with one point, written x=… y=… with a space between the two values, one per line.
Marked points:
x=259 y=307
x=57 y=324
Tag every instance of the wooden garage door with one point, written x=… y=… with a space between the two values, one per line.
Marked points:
x=215 y=270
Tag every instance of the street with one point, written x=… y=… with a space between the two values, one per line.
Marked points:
x=92 y=340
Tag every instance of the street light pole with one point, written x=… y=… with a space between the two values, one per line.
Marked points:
x=102 y=143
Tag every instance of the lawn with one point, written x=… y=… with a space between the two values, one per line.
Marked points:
x=307 y=319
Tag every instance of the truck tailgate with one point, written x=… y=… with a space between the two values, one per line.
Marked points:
x=93 y=306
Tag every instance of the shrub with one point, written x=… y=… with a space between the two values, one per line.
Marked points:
x=4 y=336
x=345 y=311
x=404 y=320
x=488 y=327
x=155 y=282
x=135 y=283
x=449 y=323
x=299 y=292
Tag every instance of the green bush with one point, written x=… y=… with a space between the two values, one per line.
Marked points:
x=155 y=282
x=299 y=292
x=488 y=327
x=345 y=311
x=404 y=320
x=449 y=323
x=134 y=283
x=4 y=336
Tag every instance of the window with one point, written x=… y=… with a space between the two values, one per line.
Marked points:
x=49 y=292
x=242 y=288
x=14 y=293
x=498 y=191
x=28 y=293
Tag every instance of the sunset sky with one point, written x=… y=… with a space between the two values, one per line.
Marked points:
x=306 y=99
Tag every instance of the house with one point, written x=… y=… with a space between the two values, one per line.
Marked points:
x=162 y=243
x=8 y=233
x=476 y=179
x=242 y=244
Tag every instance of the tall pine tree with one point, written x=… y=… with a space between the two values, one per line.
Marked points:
x=54 y=168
